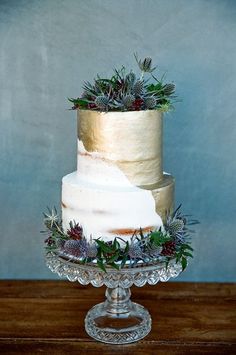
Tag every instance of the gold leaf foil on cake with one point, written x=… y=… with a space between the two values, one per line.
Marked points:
x=132 y=140
x=163 y=194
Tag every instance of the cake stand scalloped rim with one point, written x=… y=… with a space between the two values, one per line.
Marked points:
x=125 y=277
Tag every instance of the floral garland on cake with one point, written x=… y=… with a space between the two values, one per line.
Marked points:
x=127 y=91
x=164 y=245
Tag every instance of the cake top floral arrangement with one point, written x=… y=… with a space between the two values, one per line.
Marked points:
x=127 y=91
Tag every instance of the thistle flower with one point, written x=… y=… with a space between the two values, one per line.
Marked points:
x=51 y=217
x=83 y=247
x=135 y=249
x=128 y=100
x=175 y=226
x=92 y=250
x=145 y=65
x=138 y=88
x=80 y=248
x=150 y=102
x=169 y=89
x=72 y=247
x=102 y=102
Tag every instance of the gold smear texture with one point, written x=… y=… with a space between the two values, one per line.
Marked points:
x=132 y=140
x=163 y=194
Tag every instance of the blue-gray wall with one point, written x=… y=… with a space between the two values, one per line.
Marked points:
x=47 y=49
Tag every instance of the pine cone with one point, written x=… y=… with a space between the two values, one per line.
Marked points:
x=128 y=100
x=168 y=248
x=102 y=102
x=150 y=102
x=72 y=247
x=75 y=232
x=138 y=88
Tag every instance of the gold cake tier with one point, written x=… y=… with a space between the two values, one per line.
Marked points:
x=132 y=140
x=164 y=195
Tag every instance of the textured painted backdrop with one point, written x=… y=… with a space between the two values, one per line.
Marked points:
x=47 y=49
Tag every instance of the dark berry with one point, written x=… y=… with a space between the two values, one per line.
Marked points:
x=168 y=248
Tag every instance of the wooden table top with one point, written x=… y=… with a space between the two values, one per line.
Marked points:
x=47 y=317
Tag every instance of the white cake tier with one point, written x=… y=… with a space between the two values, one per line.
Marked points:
x=107 y=212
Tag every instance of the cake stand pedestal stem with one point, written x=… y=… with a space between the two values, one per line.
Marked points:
x=118 y=301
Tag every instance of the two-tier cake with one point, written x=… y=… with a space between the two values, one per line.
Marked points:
x=119 y=186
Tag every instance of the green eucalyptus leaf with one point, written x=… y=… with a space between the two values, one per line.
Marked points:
x=116 y=244
x=126 y=247
x=104 y=247
x=125 y=257
x=178 y=257
x=101 y=265
x=113 y=258
x=115 y=266
x=187 y=246
x=184 y=263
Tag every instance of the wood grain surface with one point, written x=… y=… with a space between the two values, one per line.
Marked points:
x=47 y=317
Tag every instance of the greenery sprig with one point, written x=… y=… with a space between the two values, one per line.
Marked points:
x=172 y=242
x=127 y=91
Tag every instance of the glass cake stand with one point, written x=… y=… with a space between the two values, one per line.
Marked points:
x=118 y=320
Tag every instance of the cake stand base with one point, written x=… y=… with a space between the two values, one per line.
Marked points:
x=118 y=320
